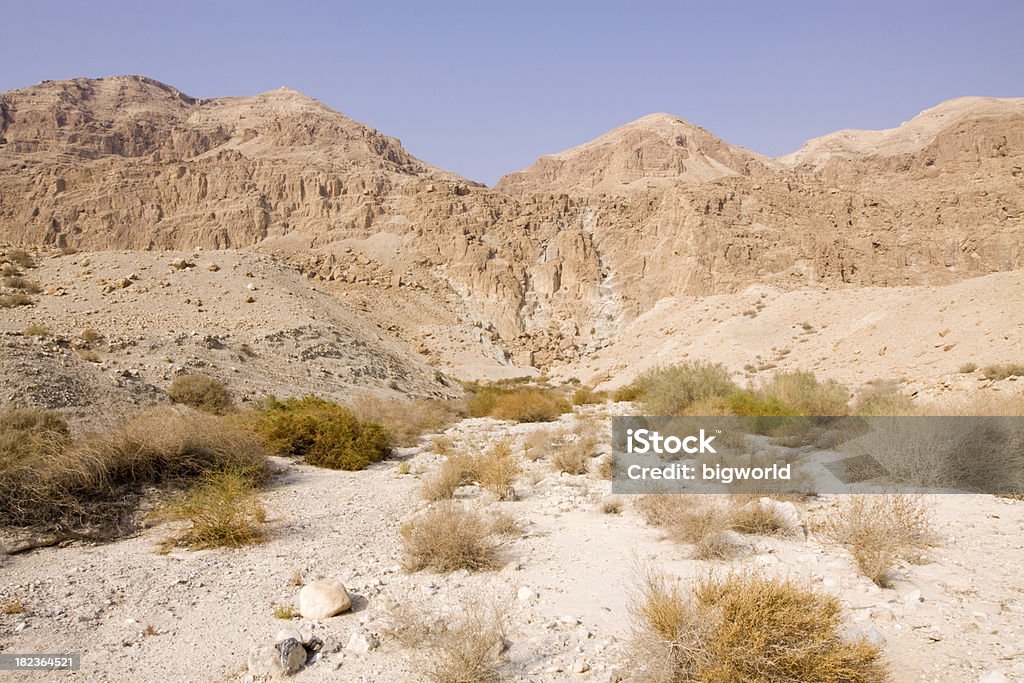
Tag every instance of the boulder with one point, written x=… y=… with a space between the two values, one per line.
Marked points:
x=322 y=599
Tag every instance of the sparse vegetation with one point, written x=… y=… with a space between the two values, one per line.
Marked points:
x=90 y=336
x=516 y=402
x=223 y=511
x=967 y=368
x=611 y=506
x=323 y=433
x=47 y=478
x=880 y=530
x=286 y=612
x=202 y=393
x=670 y=390
x=496 y=469
x=20 y=257
x=1002 y=371
x=573 y=454
x=22 y=284
x=15 y=300
x=745 y=628
x=404 y=467
x=406 y=420
x=466 y=646
x=448 y=537
x=588 y=396
x=89 y=356
x=36 y=330
x=13 y=607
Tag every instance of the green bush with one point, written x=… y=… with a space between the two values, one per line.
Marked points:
x=325 y=434
x=672 y=389
x=201 y=392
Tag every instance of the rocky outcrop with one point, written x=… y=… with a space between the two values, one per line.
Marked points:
x=549 y=265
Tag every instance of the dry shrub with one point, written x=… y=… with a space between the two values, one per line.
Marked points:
x=442 y=444
x=745 y=628
x=448 y=537
x=529 y=405
x=20 y=257
x=539 y=443
x=98 y=479
x=606 y=468
x=12 y=607
x=882 y=397
x=36 y=330
x=808 y=395
x=22 y=284
x=90 y=336
x=1002 y=371
x=9 y=270
x=453 y=473
x=880 y=530
x=466 y=645
x=585 y=396
x=223 y=511
x=757 y=517
x=496 y=469
x=406 y=420
x=696 y=520
x=512 y=401
x=323 y=433
x=967 y=368
x=672 y=389
x=505 y=524
x=574 y=454
x=611 y=506
x=15 y=300
x=202 y=393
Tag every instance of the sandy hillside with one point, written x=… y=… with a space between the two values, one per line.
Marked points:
x=921 y=337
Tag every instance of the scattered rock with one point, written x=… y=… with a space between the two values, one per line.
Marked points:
x=526 y=594
x=362 y=640
x=322 y=599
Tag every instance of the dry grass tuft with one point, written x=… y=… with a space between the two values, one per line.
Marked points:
x=406 y=420
x=20 y=257
x=46 y=478
x=286 y=612
x=202 y=393
x=448 y=537
x=611 y=506
x=15 y=300
x=36 y=330
x=585 y=396
x=512 y=401
x=13 y=607
x=745 y=628
x=22 y=284
x=496 y=469
x=453 y=473
x=880 y=530
x=574 y=454
x=467 y=646
x=223 y=512
x=1002 y=371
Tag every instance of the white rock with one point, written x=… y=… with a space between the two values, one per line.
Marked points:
x=580 y=666
x=863 y=632
x=362 y=641
x=913 y=598
x=322 y=599
x=526 y=594
x=286 y=633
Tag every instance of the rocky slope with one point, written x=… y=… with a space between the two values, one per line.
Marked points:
x=551 y=265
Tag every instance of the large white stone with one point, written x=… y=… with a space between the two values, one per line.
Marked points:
x=322 y=599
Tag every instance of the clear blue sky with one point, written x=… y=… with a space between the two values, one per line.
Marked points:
x=483 y=88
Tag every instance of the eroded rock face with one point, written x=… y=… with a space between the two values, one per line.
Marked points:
x=550 y=265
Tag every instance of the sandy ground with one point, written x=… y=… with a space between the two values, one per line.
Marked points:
x=957 y=616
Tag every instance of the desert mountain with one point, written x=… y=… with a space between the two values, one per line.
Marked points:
x=658 y=150
x=548 y=267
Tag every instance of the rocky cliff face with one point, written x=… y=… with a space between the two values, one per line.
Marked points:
x=549 y=265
